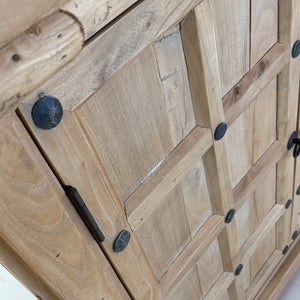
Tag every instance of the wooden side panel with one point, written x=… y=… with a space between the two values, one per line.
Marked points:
x=232 y=25
x=127 y=123
x=188 y=288
x=165 y=232
x=68 y=151
x=264 y=27
x=173 y=75
x=39 y=223
x=209 y=267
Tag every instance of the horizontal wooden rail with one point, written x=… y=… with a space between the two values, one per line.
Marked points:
x=113 y=48
x=257 y=173
x=36 y=55
x=262 y=230
x=264 y=273
x=220 y=287
x=192 y=252
x=244 y=92
x=95 y=14
x=142 y=202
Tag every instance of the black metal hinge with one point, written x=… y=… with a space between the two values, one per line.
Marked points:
x=84 y=213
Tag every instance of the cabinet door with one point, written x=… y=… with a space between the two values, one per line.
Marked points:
x=42 y=240
x=176 y=132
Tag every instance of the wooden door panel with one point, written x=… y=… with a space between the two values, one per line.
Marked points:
x=138 y=143
x=39 y=224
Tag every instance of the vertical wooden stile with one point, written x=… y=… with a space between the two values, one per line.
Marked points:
x=288 y=93
x=200 y=49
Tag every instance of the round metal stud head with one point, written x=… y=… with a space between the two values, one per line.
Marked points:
x=288 y=204
x=220 y=131
x=238 y=270
x=296 y=49
x=229 y=216
x=47 y=112
x=121 y=241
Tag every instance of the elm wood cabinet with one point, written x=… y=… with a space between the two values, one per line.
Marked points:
x=140 y=140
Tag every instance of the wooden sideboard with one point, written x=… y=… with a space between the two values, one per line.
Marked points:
x=179 y=130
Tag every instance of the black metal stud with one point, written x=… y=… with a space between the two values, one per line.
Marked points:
x=220 y=131
x=229 y=216
x=298 y=190
x=121 y=241
x=296 y=49
x=47 y=112
x=288 y=203
x=295 y=234
x=285 y=250
x=238 y=270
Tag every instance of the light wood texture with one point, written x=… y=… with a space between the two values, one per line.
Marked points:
x=18 y=267
x=239 y=97
x=113 y=48
x=68 y=151
x=288 y=100
x=34 y=56
x=283 y=273
x=200 y=49
x=94 y=15
x=174 y=79
x=188 y=287
x=263 y=274
x=256 y=174
x=39 y=223
x=165 y=232
x=261 y=231
x=130 y=132
x=232 y=26
x=15 y=17
x=220 y=286
x=264 y=27
x=148 y=196
x=210 y=230
x=209 y=267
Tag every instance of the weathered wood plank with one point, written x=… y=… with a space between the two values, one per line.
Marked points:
x=242 y=94
x=264 y=27
x=69 y=154
x=175 y=83
x=112 y=49
x=192 y=252
x=261 y=231
x=232 y=26
x=146 y=198
x=95 y=14
x=40 y=224
x=256 y=174
x=198 y=36
x=263 y=274
x=34 y=56
x=288 y=104
x=220 y=287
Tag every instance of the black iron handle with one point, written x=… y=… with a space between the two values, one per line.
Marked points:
x=294 y=141
x=84 y=213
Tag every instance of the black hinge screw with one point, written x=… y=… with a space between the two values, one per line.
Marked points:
x=296 y=49
x=121 y=241
x=238 y=270
x=220 y=131
x=295 y=234
x=229 y=216
x=47 y=112
x=285 y=250
x=288 y=204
